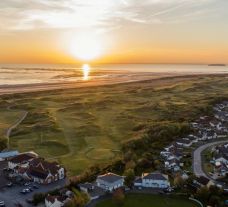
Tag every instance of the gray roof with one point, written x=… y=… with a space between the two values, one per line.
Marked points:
x=85 y=185
x=4 y=155
x=92 y=189
x=138 y=180
x=110 y=177
x=155 y=176
x=184 y=141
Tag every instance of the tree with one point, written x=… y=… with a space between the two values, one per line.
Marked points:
x=69 y=203
x=80 y=199
x=130 y=164
x=179 y=181
x=129 y=177
x=215 y=201
x=214 y=190
x=203 y=194
x=3 y=144
x=118 y=197
x=38 y=198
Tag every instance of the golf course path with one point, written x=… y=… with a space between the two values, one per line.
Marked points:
x=15 y=125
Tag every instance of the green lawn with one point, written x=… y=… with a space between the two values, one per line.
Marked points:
x=136 y=200
x=86 y=126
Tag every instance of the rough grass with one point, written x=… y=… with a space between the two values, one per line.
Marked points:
x=136 y=200
x=65 y=124
x=7 y=118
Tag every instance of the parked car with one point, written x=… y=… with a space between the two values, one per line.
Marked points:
x=27 y=184
x=2 y=203
x=29 y=201
x=25 y=191
x=30 y=189
x=35 y=187
x=10 y=184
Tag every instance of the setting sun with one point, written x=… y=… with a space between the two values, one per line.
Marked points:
x=86 y=47
x=86 y=71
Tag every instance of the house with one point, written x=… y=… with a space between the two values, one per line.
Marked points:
x=221 y=169
x=152 y=180
x=165 y=154
x=110 y=181
x=92 y=190
x=7 y=155
x=221 y=134
x=211 y=135
x=21 y=160
x=195 y=125
x=30 y=167
x=203 y=181
x=55 y=201
x=44 y=172
x=192 y=138
x=202 y=135
x=216 y=124
x=184 y=142
x=221 y=159
x=172 y=164
x=221 y=154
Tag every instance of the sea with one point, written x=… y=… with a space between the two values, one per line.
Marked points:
x=16 y=74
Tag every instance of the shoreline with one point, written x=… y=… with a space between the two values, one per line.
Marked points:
x=134 y=78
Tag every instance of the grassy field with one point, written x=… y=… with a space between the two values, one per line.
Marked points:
x=82 y=127
x=136 y=200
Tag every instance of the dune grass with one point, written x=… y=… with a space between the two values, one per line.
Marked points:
x=7 y=118
x=66 y=124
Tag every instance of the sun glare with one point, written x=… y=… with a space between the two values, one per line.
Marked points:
x=86 y=47
x=86 y=71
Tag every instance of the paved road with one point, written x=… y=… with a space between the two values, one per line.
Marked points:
x=12 y=195
x=197 y=159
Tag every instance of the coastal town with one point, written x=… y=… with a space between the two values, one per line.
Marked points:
x=23 y=175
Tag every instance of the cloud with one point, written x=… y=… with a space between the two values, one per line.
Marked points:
x=34 y=14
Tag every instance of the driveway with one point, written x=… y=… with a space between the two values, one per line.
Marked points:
x=197 y=159
x=12 y=195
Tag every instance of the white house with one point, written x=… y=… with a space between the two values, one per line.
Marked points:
x=110 y=181
x=55 y=201
x=184 y=142
x=221 y=134
x=153 y=180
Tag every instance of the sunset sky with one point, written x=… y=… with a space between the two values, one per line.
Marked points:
x=114 y=31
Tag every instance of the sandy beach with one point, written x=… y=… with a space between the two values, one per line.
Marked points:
x=133 y=77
